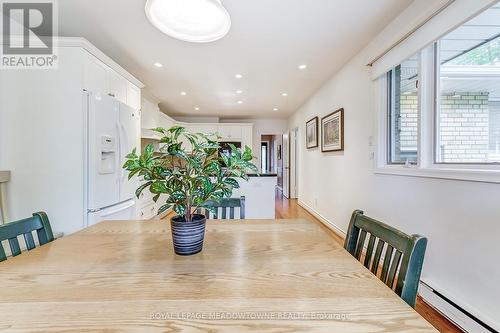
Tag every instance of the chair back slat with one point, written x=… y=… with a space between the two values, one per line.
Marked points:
x=39 y=222
x=387 y=262
x=28 y=239
x=361 y=244
x=3 y=255
x=376 y=258
x=15 y=249
x=369 y=251
x=228 y=208
x=394 y=268
x=402 y=258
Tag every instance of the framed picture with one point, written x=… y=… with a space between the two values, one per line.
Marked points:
x=312 y=133
x=332 y=131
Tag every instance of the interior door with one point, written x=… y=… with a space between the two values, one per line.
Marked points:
x=130 y=124
x=286 y=165
x=103 y=151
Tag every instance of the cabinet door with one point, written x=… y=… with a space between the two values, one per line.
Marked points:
x=247 y=137
x=117 y=86
x=205 y=129
x=230 y=132
x=149 y=115
x=94 y=75
x=133 y=96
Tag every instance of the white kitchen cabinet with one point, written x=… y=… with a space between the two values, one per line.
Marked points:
x=149 y=115
x=247 y=136
x=230 y=132
x=147 y=212
x=117 y=86
x=100 y=78
x=133 y=96
x=94 y=74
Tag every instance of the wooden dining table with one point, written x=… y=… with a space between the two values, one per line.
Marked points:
x=252 y=276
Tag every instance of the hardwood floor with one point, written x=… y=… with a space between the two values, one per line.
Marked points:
x=289 y=209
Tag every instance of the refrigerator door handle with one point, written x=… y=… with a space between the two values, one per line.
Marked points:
x=119 y=209
x=119 y=159
x=122 y=149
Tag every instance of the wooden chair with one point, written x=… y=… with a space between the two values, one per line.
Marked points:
x=224 y=205
x=403 y=255
x=39 y=222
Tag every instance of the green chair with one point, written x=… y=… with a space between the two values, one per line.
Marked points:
x=403 y=255
x=224 y=205
x=39 y=222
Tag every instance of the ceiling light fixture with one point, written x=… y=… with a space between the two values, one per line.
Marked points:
x=275 y=109
x=197 y=21
x=197 y=109
x=302 y=67
x=183 y=93
x=284 y=94
x=157 y=64
x=239 y=92
x=238 y=76
x=240 y=102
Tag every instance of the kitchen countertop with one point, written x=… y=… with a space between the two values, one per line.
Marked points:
x=266 y=174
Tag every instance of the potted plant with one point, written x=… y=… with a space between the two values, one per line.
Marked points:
x=191 y=179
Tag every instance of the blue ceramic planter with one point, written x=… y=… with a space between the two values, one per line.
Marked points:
x=188 y=236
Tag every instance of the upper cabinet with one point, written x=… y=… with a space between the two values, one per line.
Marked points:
x=100 y=78
x=117 y=86
x=133 y=96
x=95 y=74
x=230 y=132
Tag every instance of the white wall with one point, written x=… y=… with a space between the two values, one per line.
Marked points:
x=41 y=135
x=460 y=218
x=261 y=127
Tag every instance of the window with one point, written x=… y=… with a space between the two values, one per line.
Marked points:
x=403 y=112
x=468 y=111
x=439 y=110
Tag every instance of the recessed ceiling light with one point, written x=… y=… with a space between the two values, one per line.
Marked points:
x=197 y=108
x=302 y=67
x=198 y=21
x=239 y=92
x=238 y=76
x=157 y=64
x=183 y=93
x=275 y=109
x=240 y=102
x=284 y=94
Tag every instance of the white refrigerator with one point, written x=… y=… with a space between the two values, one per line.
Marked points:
x=113 y=130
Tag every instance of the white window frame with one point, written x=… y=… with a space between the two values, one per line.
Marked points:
x=428 y=106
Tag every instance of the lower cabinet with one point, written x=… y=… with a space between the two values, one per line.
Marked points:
x=147 y=212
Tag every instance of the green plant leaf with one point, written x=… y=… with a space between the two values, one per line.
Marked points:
x=141 y=188
x=164 y=208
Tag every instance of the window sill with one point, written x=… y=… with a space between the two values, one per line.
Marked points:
x=473 y=175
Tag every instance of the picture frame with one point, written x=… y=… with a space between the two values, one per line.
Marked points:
x=312 y=129
x=332 y=131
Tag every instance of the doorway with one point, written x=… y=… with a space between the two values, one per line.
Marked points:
x=271 y=155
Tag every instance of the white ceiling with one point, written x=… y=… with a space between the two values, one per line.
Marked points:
x=267 y=41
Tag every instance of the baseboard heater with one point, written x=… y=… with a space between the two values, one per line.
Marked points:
x=454 y=312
